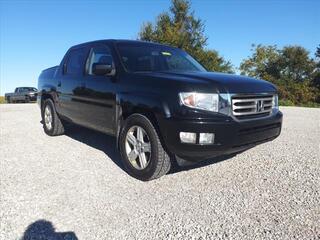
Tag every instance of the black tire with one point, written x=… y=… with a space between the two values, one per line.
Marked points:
x=159 y=163
x=27 y=99
x=8 y=100
x=57 y=127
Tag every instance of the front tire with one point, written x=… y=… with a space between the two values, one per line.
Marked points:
x=141 y=150
x=52 y=124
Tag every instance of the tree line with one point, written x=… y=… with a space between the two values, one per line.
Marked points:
x=290 y=68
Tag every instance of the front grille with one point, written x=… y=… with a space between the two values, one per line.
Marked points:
x=251 y=106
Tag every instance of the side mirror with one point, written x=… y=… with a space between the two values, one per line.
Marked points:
x=101 y=69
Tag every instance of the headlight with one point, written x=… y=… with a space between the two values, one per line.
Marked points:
x=204 y=101
x=275 y=104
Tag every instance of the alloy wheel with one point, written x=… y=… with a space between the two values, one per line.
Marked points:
x=48 y=117
x=138 y=147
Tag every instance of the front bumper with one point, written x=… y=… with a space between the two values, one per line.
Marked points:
x=231 y=136
x=33 y=98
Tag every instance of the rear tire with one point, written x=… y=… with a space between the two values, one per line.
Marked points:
x=8 y=100
x=156 y=160
x=52 y=124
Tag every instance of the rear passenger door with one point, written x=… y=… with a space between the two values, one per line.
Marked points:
x=100 y=91
x=21 y=94
x=15 y=95
x=71 y=85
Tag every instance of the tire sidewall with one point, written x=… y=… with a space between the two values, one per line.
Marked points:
x=49 y=103
x=141 y=121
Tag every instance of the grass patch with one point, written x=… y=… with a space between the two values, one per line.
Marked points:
x=290 y=103
x=2 y=100
x=281 y=103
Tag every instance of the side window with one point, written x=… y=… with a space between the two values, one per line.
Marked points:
x=23 y=89
x=99 y=55
x=75 y=61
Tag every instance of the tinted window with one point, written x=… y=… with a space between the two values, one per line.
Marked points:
x=75 y=62
x=146 y=58
x=99 y=55
x=178 y=63
x=27 y=89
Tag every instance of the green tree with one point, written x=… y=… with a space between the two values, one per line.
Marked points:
x=263 y=63
x=316 y=79
x=290 y=68
x=296 y=64
x=180 y=28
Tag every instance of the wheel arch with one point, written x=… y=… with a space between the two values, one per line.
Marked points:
x=147 y=105
x=47 y=92
x=45 y=96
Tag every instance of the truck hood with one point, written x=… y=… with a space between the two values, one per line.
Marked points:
x=224 y=82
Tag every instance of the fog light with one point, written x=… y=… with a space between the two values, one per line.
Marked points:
x=206 y=138
x=188 y=137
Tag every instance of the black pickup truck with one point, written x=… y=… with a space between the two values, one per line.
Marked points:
x=158 y=102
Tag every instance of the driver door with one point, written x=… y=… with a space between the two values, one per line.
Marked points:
x=99 y=92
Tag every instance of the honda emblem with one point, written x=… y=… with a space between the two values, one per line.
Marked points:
x=259 y=105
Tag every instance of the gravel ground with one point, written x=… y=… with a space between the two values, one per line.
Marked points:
x=73 y=187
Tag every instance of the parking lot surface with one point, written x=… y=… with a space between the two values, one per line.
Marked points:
x=73 y=187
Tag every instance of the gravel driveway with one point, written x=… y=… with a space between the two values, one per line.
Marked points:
x=73 y=187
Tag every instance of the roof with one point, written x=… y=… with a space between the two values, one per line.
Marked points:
x=119 y=41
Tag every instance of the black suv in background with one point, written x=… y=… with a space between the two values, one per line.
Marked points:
x=158 y=102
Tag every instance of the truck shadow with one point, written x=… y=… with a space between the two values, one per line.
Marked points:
x=97 y=140
x=178 y=168
x=43 y=229
x=107 y=144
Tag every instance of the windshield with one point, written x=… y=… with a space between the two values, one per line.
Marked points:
x=151 y=58
x=27 y=89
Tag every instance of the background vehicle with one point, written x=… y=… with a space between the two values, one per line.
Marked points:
x=22 y=94
x=158 y=102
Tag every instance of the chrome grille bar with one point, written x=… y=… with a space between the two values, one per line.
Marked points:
x=243 y=105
